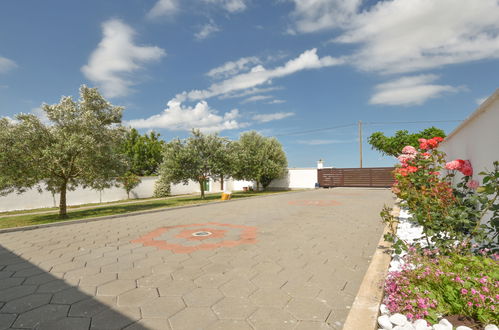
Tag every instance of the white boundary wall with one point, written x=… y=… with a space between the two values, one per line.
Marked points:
x=296 y=178
x=477 y=138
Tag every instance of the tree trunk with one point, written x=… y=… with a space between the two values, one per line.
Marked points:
x=201 y=185
x=257 y=186
x=62 y=201
x=222 y=182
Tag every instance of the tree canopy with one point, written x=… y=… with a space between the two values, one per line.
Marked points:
x=258 y=158
x=80 y=146
x=393 y=145
x=198 y=158
x=144 y=152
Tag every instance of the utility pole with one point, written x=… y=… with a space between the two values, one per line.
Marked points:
x=360 y=142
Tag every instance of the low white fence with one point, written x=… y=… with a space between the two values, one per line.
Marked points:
x=295 y=178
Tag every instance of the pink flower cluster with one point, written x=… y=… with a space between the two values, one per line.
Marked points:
x=432 y=143
x=407 y=291
x=463 y=166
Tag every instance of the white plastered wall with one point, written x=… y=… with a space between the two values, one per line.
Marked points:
x=477 y=138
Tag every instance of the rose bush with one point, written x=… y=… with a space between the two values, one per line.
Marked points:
x=449 y=214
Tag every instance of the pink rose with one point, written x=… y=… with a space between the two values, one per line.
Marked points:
x=410 y=150
x=466 y=168
x=472 y=184
x=454 y=165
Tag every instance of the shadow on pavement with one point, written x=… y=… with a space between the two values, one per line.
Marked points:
x=32 y=298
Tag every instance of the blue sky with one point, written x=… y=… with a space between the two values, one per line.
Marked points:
x=276 y=66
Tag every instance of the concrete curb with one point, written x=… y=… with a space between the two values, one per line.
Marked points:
x=122 y=215
x=365 y=309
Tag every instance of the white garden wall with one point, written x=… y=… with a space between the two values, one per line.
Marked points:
x=477 y=138
x=296 y=178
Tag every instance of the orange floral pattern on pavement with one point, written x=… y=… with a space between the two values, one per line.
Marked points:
x=214 y=233
x=217 y=232
x=314 y=203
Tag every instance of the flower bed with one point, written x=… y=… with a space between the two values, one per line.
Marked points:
x=445 y=265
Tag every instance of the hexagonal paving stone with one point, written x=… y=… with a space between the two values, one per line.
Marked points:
x=309 y=309
x=269 y=280
x=154 y=281
x=68 y=266
x=216 y=268
x=134 y=274
x=52 y=286
x=229 y=325
x=187 y=273
x=6 y=320
x=137 y=297
x=162 y=307
x=24 y=304
x=267 y=267
x=202 y=297
x=211 y=280
x=87 y=308
x=10 y=282
x=112 y=319
x=302 y=289
x=238 y=288
x=176 y=288
x=192 y=318
x=115 y=287
x=82 y=272
x=16 y=292
x=97 y=279
x=270 y=297
x=311 y=325
x=149 y=323
x=272 y=318
x=68 y=296
x=41 y=314
x=234 y=308
x=73 y=323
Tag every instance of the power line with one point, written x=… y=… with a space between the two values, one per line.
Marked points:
x=412 y=122
x=367 y=123
x=316 y=130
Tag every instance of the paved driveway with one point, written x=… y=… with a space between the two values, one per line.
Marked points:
x=287 y=261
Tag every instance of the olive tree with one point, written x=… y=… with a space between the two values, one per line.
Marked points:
x=79 y=147
x=258 y=158
x=198 y=158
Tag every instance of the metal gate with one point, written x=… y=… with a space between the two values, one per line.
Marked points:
x=356 y=177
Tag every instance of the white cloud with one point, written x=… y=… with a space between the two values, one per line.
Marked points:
x=412 y=90
x=233 y=67
x=256 y=98
x=206 y=30
x=276 y=101
x=259 y=75
x=163 y=8
x=265 y=118
x=179 y=117
x=6 y=64
x=250 y=91
x=232 y=6
x=316 y=142
x=116 y=57
x=316 y=15
x=406 y=36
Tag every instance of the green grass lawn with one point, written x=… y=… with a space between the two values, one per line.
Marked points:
x=74 y=214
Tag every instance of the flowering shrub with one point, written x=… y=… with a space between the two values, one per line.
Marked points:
x=431 y=285
x=447 y=214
